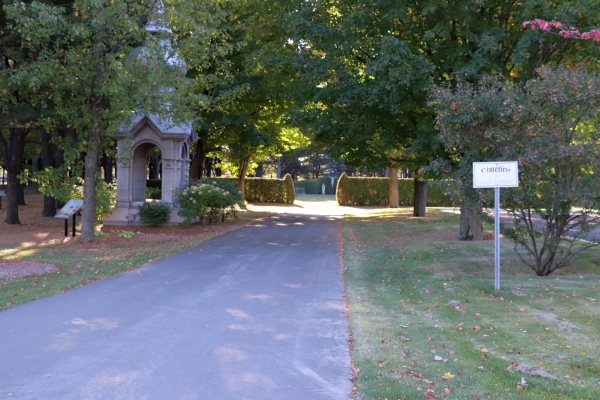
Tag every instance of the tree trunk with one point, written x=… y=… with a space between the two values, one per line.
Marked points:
x=12 y=198
x=48 y=162
x=242 y=176
x=12 y=152
x=88 y=219
x=420 y=199
x=279 y=168
x=471 y=225
x=198 y=161
x=393 y=174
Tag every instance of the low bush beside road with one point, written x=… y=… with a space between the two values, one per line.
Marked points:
x=426 y=322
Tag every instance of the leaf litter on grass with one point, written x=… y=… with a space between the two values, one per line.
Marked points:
x=409 y=292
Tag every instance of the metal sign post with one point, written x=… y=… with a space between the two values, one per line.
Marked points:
x=496 y=175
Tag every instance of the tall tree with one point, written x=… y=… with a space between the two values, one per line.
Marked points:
x=21 y=106
x=369 y=64
x=548 y=125
x=102 y=62
x=254 y=82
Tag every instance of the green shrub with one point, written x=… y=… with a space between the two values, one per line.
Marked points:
x=290 y=189
x=207 y=198
x=355 y=191
x=106 y=196
x=341 y=191
x=154 y=183
x=437 y=198
x=362 y=191
x=264 y=190
x=314 y=186
x=153 y=193
x=154 y=213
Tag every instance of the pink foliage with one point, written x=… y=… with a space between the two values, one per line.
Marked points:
x=563 y=30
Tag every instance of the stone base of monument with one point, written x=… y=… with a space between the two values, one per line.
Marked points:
x=127 y=216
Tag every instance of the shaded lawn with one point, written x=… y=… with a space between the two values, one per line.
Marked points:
x=417 y=295
x=81 y=262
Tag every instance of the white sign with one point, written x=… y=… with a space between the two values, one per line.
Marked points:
x=69 y=209
x=495 y=174
x=2 y=194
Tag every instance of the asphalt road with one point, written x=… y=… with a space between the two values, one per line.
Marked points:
x=257 y=313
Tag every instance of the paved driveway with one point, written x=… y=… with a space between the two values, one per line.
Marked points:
x=257 y=313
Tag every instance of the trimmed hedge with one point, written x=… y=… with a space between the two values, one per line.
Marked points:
x=356 y=191
x=264 y=190
x=289 y=188
x=313 y=186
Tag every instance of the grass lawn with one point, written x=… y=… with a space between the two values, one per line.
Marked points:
x=81 y=262
x=426 y=322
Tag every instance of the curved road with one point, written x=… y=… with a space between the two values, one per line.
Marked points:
x=257 y=313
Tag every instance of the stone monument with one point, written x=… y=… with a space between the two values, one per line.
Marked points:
x=137 y=138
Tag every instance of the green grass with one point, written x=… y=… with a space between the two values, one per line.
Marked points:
x=81 y=262
x=315 y=198
x=401 y=274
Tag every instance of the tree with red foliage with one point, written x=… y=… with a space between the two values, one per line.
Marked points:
x=560 y=29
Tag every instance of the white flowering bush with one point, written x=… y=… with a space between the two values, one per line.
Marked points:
x=207 y=200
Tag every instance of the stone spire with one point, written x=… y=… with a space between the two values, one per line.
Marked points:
x=157 y=27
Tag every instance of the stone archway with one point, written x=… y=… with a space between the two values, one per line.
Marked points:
x=139 y=172
x=146 y=132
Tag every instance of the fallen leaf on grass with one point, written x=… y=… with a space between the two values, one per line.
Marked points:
x=521 y=309
x=447 y=390
x=429 y=338
x=476 y=314
x=512 y=364
x=448 y=375
x=521 y=384
x=484 y=350
x=482 y=368
x=477 y=327
x=428 y=290
x=415 y=375
x=438 y=358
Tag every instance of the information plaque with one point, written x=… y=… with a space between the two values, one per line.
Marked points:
x=70 y=209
